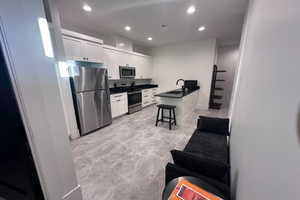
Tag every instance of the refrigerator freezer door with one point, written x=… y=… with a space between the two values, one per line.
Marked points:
x=90 y=78
x=94 y=110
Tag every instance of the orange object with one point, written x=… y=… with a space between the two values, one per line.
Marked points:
x=185 y=190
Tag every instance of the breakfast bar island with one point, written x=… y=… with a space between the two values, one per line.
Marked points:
x=184 y=100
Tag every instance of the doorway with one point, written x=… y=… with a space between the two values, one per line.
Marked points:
x=18 y=174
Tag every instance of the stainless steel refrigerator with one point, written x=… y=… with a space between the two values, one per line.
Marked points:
x=91 y=97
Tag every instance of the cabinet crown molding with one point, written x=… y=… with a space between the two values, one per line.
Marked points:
x=81 y=36
x=124 y=51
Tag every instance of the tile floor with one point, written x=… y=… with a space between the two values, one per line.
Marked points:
x=126 y=160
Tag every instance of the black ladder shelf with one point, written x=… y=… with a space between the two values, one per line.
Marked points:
x=213 y=96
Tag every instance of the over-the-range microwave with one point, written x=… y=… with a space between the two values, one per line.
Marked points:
x=127 y=72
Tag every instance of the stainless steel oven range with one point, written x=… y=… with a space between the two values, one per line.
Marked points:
x=134 y=101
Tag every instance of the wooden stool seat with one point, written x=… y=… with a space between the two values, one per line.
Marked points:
x=171 y=119
x=164 y=106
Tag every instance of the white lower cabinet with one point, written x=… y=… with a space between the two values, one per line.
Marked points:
x=148 y=97
x=154 y=92
x=119 y=104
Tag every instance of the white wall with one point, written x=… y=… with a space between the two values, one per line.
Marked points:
x=63 y=82
x=123 y=43
x=265 y=141
x=189 y=60
x=36 y=86
x=228 y=57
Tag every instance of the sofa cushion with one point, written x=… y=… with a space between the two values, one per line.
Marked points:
x=212 y=146
x=213 y=125
x=200 y=164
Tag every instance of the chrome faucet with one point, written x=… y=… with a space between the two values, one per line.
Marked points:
x=183 y=88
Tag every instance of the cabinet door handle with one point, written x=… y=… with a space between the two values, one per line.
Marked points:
x=118 y=96
x=119 y=100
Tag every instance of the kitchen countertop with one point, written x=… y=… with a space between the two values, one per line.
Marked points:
x=116 y=90
x=176 y=93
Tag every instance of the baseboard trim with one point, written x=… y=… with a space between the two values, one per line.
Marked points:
x=75 y=134
x=73 y=194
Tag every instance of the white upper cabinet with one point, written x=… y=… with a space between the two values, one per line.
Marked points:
x=86 y=48
x=112 y=61
x=77 y=49
x=73 y=49
x=93 y=52
x=143 y=66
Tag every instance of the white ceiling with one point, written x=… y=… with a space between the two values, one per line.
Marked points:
x=223 y=19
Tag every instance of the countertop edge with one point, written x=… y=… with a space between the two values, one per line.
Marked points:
x=126 y=90
x=173 y=96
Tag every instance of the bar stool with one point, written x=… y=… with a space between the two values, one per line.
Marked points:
x=171 y=109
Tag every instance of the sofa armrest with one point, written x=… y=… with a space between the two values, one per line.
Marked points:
x=205 y=166
x=175 y=171
x=213 y=125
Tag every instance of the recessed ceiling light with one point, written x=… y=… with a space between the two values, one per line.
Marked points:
x=87 y=8
x=191 y=10
x=127 y=28
x=150 y=38
x=201 y=28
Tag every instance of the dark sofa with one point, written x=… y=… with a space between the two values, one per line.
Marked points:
x=206 y=156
